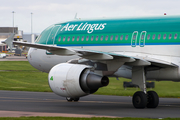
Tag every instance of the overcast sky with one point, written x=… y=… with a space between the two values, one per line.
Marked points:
x=48 y=12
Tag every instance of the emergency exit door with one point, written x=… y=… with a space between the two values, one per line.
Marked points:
x=134 y=39
x=142 y=39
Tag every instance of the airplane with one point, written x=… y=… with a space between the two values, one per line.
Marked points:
x=81 y=54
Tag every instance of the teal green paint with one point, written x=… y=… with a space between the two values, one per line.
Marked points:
x=44 y=35
x=48 y=53
x=161 y=40
x=92 y=41
x=157 y=25
x=52 y=33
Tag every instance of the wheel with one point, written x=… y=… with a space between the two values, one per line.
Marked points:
x=139 y=100
x=153 y=99
x=69 y=99
x=76 y=99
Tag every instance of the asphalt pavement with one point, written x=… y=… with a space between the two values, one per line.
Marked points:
x=18 y=103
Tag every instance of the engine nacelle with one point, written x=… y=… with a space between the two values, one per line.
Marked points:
x=74 y=80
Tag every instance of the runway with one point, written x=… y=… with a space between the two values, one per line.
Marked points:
x=14 y=58
x=17 y=103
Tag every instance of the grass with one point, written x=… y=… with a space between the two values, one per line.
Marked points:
x=68 y=118
x=163 y=88
x=16 y=66
x=24 y=81
x=21 y=76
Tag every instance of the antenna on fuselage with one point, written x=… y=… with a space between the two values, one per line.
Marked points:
x=75 y=17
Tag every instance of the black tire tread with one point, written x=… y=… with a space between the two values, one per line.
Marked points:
x=153 y=99
x=143 y=100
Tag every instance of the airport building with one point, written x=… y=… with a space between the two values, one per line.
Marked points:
x=5 y=32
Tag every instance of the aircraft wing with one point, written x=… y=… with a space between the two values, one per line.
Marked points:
x=97 y=55
x=50 y=48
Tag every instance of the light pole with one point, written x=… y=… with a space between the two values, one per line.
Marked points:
x=31 y=23
x=13 y=17
x=13 y=20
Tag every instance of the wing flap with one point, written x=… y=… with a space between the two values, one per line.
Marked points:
x=139 y=62
x=98 y=56
x=161 y=63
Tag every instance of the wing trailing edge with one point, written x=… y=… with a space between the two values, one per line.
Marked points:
x=99 y=56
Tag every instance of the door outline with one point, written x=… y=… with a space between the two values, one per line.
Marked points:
x=142 y=40
x=134 y=40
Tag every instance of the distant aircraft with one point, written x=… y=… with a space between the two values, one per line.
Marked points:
x=9 y=40
x=80 y=55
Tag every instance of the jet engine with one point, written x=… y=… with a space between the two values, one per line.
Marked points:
x=75 y=80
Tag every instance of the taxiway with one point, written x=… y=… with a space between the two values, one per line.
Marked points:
x=17 y=103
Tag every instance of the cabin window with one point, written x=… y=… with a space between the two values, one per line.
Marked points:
x=59 y=39
x=107 y=37
x=82 y=39
x=154 y=36
x=159 y=36
x=126 y=37
x=170 y=36
x=134 y=37
x=92 y=37
x=111 y=37
x=175 y=36
x=148 y=37
x=64 y=38
x=121 y=37
x=102 y=37
x=68 y=38
x=87 y=38
x=164 y=37
x=73 y=38
x=142 y=37
x=77 y=38
x=97 y=38
x=116 y=37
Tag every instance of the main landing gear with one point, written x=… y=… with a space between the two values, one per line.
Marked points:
x=69 y=99
x=142 y=99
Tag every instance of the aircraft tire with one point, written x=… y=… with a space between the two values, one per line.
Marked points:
x=153 y=99
x=139 y=100
x=76 y=99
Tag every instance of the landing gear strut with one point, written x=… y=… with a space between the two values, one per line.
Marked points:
x=142 y=99
x=69 y=99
